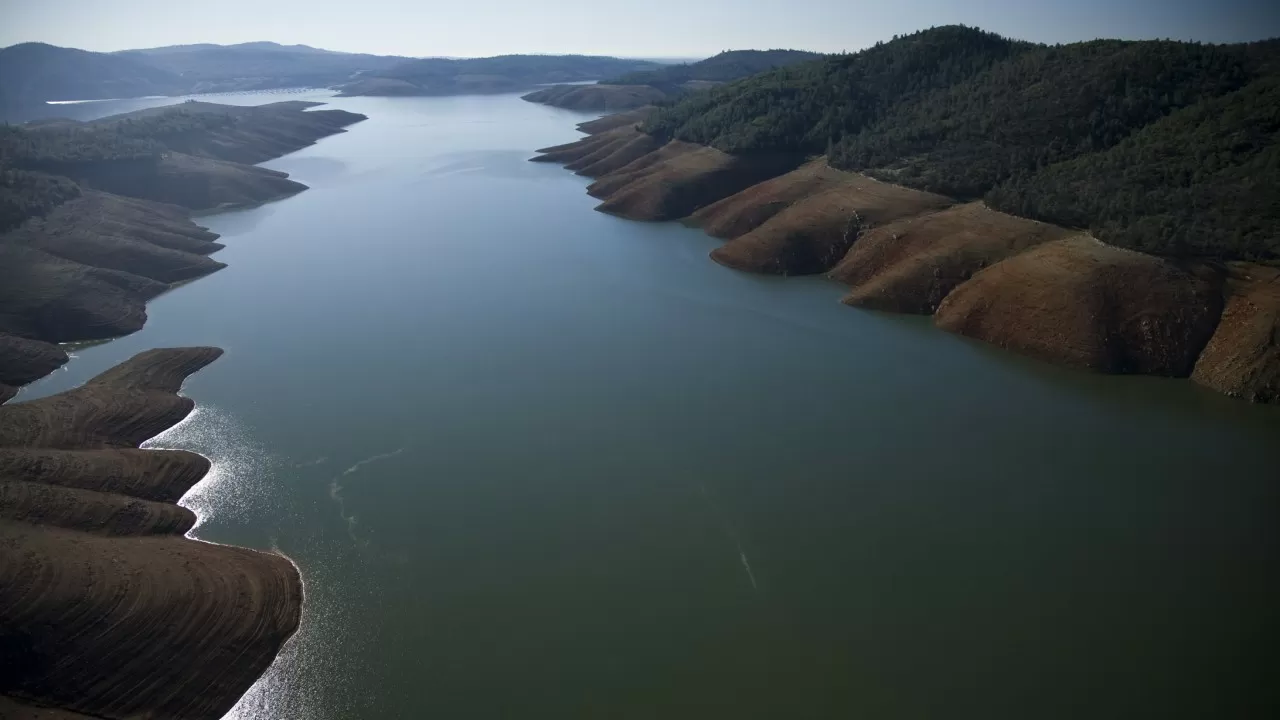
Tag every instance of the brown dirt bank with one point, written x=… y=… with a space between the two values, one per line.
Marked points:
x=23 y=360
x=1082 y=303
x=597 y=97
x=1039 y=289
x=804 y=222
x=105 y=609
x=609 y=122
x=1242 y=358
x=679 y=178
x=86 y=269
x=911 y=264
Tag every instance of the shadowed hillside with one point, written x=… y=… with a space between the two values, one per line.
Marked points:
x=32 y=73
x=94 y=216
x=258 y=65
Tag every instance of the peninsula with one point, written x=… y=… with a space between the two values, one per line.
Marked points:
x=1107 y=205
x=106 y=609
x=94 y=216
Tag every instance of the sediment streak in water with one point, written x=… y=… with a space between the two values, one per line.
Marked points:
x=335 y=492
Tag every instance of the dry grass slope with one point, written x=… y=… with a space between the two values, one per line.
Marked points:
x=86 y=270
x=1243 y=357
x=1039 y=289
x=1082 y=303
x=105 y=609
x=805 y=222
x=597 y=97
x=911 y=264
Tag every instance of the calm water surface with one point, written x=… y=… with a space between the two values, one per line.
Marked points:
x=537 y=462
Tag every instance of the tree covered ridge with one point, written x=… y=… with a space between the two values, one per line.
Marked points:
x=1204 y=181
x=726 y=66
x=971 y=114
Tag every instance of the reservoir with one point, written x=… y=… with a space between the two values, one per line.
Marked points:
x=534 y=461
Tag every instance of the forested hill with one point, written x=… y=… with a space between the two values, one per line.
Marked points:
x=729 y=65
x=32 y=73
x=502 y=73
x=1166 y=147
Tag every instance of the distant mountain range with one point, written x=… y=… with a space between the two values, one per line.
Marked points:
x=645 y=87
x=504 y=73
x=32 y=74
x=257 y=65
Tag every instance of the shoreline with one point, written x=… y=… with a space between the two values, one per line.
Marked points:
x=109 y=606
x=1043 y=291
x=85 y=270
x=93 y=524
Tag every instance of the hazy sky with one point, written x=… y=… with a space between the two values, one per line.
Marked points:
x=676 y=28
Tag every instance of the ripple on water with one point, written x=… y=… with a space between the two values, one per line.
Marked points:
x=246 y=499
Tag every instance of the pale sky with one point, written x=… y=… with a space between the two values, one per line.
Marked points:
x=645 y=28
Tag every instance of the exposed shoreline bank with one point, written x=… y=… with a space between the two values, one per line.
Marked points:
x=1041 y=290
x=85 y=269
x=109 y=610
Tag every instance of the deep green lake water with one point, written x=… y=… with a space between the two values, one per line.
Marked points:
x=534 y=461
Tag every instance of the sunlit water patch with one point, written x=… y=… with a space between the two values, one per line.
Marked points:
x=247 y=488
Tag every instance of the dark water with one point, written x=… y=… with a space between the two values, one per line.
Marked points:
x=538 y=462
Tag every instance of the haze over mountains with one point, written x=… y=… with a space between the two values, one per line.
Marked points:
x=644 y=87
x=33 y=74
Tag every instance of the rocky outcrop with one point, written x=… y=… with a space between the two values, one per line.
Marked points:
x=911 y=264
x=804 y=222
x=106 y=610
x=1242 y=358
x=597 y=97
x=1079 y=302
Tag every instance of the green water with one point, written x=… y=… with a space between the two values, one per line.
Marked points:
x=537 y=462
